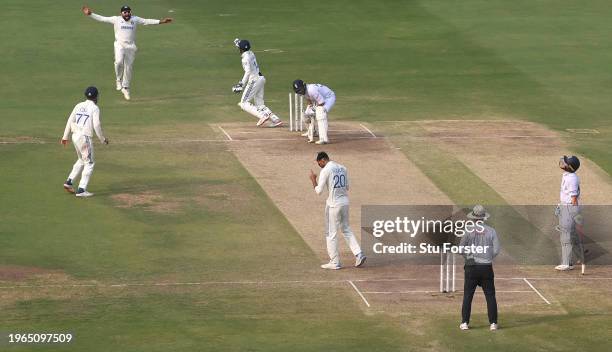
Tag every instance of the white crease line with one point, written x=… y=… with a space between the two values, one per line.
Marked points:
x=359 y=292
x=536 y=291
x=367 y=129
x=281 y=282
x=211 y=283
x=467 y=137
x=555 y=278
x=226 y=134
x=436 y=291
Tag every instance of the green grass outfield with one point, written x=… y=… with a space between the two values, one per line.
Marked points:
x=543 y=61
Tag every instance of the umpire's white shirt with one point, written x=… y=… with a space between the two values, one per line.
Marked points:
x=83 y=120
x=335 y=177
x=570 y=187
x=125 y=31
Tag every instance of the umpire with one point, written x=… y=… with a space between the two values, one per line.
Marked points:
x=479 y=268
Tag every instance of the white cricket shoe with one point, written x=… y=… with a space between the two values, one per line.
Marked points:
x=493 y=327
x=564 y=267
x=118 y=85
x=84 y=194
x=331 y=266
x=276 y=124
x=464 y=326
x=321 y=142
x=262 y=120
x=126 y=93
x=304 y=134
x=310 y=141
x=360 y=260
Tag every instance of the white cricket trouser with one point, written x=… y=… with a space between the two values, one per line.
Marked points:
x=321 y=124
x=124 y=60
x=321 y=115
x=337 y=218
x=85 y=159
x=254 y=91
x=329 y=102
x=567 y=213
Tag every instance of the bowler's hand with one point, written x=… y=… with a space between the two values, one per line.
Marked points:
x=313 y=178
x=86 y=10
x=165 y=20
x=64 y=142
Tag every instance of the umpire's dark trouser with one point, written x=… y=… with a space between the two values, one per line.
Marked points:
x=479 y=275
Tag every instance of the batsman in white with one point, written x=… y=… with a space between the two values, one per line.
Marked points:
x=82 y=122
x=252 y=87
x=125 y=45
x=320 y=101
x=334 y=177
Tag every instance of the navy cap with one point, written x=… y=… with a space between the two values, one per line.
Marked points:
x=91 y=92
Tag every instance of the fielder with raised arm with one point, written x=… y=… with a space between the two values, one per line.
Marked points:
x=320 y=100
x=125 y=45
x=82 y=122
x=252 y=86
x=334 y=177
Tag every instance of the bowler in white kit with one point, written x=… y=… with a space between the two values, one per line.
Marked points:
x=334 y=177
x=125 y=42
x=252 y=87
x=82 y=122
x=320 y=100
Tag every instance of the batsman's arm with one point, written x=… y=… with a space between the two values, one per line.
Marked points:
x=247 y=71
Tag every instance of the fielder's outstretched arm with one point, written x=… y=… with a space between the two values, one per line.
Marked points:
x=88 y=12
x=146 y=21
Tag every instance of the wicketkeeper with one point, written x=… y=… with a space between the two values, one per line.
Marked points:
x=320 y=100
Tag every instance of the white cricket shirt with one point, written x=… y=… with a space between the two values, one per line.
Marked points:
x=250 y=66
x=83 y=120
x=570 y=186
x=319 y=93
x=125 y=31
x=335 y=177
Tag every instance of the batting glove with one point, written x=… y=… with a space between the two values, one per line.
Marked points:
x=237 y=88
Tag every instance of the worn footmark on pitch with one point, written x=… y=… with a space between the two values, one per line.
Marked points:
x=26 y=275
x=148 y=201
x=217 y=198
